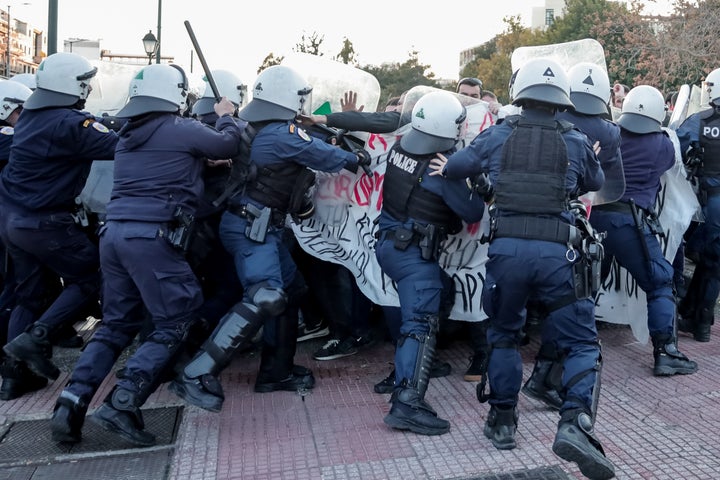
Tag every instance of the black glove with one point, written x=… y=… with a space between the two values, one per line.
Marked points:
x=481 y=185
x=364 y=160
x=694 y=156
x=578 y=208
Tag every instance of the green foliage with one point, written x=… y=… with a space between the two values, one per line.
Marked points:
x=396 y=78
x=347 y=54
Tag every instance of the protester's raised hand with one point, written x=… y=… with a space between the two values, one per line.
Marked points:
x=349 y=102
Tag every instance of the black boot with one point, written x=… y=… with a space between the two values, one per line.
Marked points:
x=68 y=418
x=669 y=360
x=198 y=382
x=277 y=370
x=698 y=324
x=409 y=411
x=34 y=348
x=500 y=427
x=120 y=414
x=17 y=380
x=386 y=385
x=538 y=386
x=575 y=441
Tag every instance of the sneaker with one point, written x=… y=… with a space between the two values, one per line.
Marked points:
x=335 y=348
x=386 y=385
x=306 y=332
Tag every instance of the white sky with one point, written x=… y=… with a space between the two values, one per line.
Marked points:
x=238 y=34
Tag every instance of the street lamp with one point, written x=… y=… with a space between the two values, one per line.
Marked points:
x=150 y=44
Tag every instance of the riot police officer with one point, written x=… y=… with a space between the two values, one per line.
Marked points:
x=537 y=166
x=53 y=147
x=699 y=137
x=156 y=188
x=418 y=213
x=631 y=226
x=209 y=260
x=269 y=180
x=590 y=94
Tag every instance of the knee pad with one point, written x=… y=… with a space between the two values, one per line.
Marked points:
x=271 y=301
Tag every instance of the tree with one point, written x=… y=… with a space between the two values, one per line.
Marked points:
x=396 y=78
x=310 y=45
x=495 y=69
x=269 y=61
x=347 y=53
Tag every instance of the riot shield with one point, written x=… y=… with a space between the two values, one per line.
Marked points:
x=567 y=55
x=680 y=112
x=98 y=186
x=110 y=87
x=330 y=80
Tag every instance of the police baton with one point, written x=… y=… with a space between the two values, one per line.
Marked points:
x=208 y=74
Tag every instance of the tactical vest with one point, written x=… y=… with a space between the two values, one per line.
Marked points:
x=275 y=185
x=533 y=168
x=403 y=197
x=709 y=136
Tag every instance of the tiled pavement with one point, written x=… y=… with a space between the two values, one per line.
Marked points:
x=651 y=428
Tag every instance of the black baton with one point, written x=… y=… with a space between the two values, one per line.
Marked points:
x=208 y=74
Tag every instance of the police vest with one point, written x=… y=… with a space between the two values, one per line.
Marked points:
x=403 y=197
x=276 y=185
x=710 y=141
x=533 y=168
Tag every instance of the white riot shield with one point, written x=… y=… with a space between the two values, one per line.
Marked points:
x=680 y=111
x=110 y=87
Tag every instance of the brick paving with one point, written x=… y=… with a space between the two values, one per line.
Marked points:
x=651 y=428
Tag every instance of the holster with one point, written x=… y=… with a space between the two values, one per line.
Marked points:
x=431 y=237
x=259 y=222
x=181 y=230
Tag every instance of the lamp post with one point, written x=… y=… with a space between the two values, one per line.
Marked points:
x=150 y=44
x=9 y=39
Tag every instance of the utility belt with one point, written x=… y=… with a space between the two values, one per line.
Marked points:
x=428 y=237
x=260 y=219
x=640 y=215
x=535 y=228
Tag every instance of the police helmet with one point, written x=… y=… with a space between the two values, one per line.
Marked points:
x=228 y=85
x=27 y=79
x=438 y=121
x=279 y=93
x=542 y=80
x=589 y=88
x=712 y=82
x=62 y=80
x=156 y=88
x=12 y=96
x=643 y=110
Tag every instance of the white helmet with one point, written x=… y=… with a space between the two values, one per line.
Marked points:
x=643 y=110
x=12 y=96
x=228 y=85
x=712 y=82
x=438 y=121
x=589 y=88
x=62 y=79
x=279 y=93
x=27 y=79
x=543 y=80
x=156 y=88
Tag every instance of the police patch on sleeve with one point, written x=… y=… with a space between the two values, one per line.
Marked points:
x=100 y=127
x=7 y=130
x=301 y=133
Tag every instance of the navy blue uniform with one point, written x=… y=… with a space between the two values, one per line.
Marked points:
x=420 y=281
x=701 y=131
x=158 y=166
x=269 y=263
x=645 y=158
x=49 y=162
x=520 y=268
